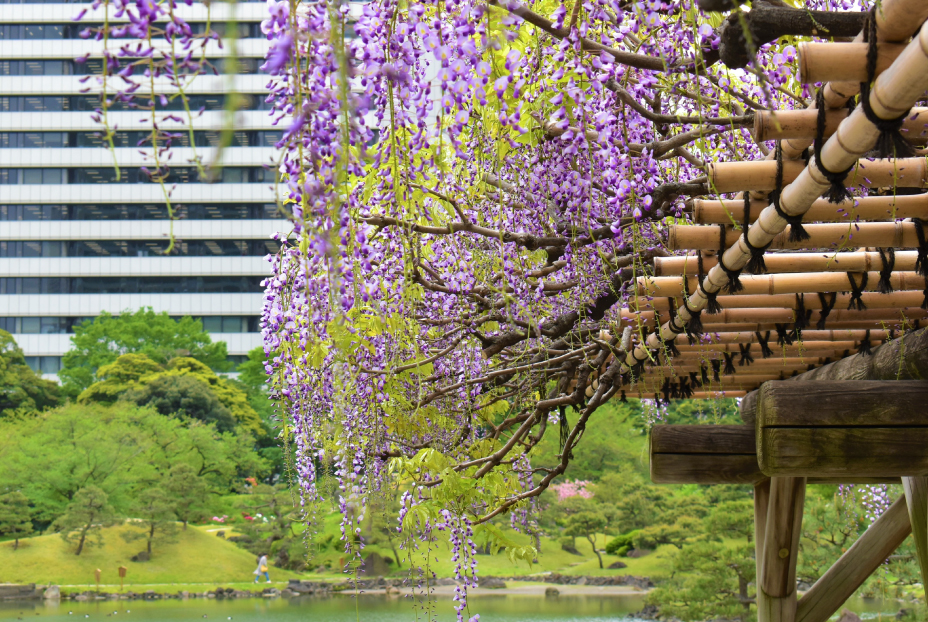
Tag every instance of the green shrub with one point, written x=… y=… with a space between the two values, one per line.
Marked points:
x=626 y=541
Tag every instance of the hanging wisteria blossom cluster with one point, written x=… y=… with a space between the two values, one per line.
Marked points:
x=473 y=187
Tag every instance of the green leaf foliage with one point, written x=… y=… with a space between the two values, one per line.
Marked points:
x=21 y=389
x=15 y=516
x=122 y=450
x=184 y=386
x=85 y=517
x=101 y=341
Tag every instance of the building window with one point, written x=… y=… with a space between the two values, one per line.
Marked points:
x=44 y=364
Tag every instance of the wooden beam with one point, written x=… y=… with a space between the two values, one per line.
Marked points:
x=853 y=428
x=860 y=561
x=761 y=506
x=714 y=454
x=777 y=581
x=916 y=499
x=789 y=283
x=792 y=124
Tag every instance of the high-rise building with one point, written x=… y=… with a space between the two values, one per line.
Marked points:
x=75 y=240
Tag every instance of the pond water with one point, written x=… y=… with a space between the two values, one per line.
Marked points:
x=371 y=608
x=366 y=608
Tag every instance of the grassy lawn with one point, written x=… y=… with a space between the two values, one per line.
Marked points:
x=197 y=561
x=194 y=557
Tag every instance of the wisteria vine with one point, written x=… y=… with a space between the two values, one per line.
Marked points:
x=473 y=185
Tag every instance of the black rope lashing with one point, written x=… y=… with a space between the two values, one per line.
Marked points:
x=764 y=340
x=669 y=343
x=838 y=191
x=704 y=373
x=865 y=346
x=915 y=326
x=925 y=295
x=891 y=143
x=686 y=391
x=857 y=291
x=746 y=358
x=716 y=368
x=888 y=259
x=729 y=363
x=827 y=305
x=756 y=264
x=666 y=389
x=784 y=335
x=623 y=399
x=734 y=276
x=694 y=326
x=657 y=400
x=803 y=317
x=712 y=302
x=694 y=379
x=892 y=334
x=921 y=260
x=796 y=231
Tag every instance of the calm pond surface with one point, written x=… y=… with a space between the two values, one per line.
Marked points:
x=370 y=608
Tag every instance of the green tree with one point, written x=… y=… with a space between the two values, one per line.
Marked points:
x=184 y=385
x=20 y=387
x=101 y=341
x=122 y=449
x=251 y=372
x=154 y=514
x=731 y=519
x=85 y=517
x=708 y=581
x=189 y=492
x=587 y=524
x=274 y=516
x=15 y=516
x=185 y=396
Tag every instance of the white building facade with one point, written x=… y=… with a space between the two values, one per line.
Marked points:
x=76 y=241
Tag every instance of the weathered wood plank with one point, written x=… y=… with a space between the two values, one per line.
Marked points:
x=761 y=504
x=875 y=403
x=705 y=469
x=703 y=439
x=776 y=579
x=860 y=561
x=781 y=540
x=843 y=452
x=916 y=498
x=748 y=408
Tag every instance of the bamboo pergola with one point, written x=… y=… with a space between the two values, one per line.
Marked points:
x=780 y=287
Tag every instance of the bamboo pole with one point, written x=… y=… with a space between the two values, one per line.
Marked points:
x=896 y=21
x=834 y=236
x=777 y=263
x=887 y=303
x=784 y=124
x=809 y=336
x=801 y=347
x=731 y=211
x=760 y=175
x=842 y=62
x=790 y=283
x=861 y=560
x=839 y=318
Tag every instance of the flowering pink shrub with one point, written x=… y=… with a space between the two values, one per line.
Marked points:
x=572 y=488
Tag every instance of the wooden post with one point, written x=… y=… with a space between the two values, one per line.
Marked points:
x=860 y=561
x=916 y=498
x=776 y=584
x=122 y=575
x=96 y=576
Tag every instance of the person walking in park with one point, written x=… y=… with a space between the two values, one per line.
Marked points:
x=262 y=568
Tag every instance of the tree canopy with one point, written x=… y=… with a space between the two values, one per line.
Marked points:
x=21 y=389
x=101 y=341
x=183 y=386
